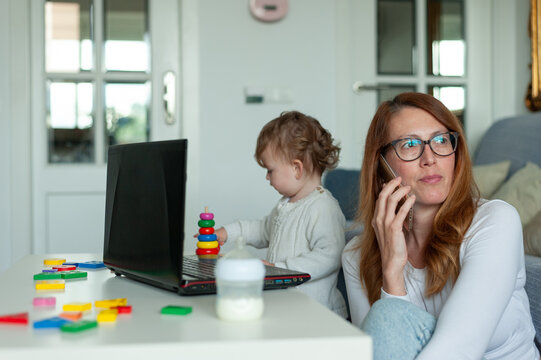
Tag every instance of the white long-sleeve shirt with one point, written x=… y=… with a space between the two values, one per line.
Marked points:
x=306 y=235
x=486 y=313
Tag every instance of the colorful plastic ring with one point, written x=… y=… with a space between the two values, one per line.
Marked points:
x=207 y=244
x=206 y=216
x=206 y=231
x=214 y=251
x=205 y=223
x=211 y=237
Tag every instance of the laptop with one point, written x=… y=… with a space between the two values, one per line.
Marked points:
x=144 y=222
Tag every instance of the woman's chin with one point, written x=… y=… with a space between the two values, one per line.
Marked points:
x=430 y=200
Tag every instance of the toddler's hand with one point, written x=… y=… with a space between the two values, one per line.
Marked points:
x=221 y=234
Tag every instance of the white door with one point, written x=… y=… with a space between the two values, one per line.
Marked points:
x=386 y=47
x=102 y=74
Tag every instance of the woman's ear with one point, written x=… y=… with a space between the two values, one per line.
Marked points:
x=299 y=168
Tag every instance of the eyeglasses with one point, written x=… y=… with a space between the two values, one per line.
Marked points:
x=409 y=149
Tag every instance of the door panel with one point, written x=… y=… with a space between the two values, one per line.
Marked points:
x=77 y=224
x=380 y=55
x=84 y=103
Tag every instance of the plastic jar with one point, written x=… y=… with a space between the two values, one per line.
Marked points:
x=239 y=281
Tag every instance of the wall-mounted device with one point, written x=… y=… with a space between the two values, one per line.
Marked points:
x=269 y=10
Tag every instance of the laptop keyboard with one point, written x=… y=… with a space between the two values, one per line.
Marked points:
x=204 y=269
x=198 y=269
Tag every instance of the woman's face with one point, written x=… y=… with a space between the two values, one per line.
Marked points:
x=430 y=176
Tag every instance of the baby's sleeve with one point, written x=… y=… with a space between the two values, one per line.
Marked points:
x=324 y=230
x=255 y=232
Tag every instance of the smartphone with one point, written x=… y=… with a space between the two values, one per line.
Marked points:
x=388 y=174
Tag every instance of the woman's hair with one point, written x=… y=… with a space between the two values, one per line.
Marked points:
x=453 y=217
x=293 y=136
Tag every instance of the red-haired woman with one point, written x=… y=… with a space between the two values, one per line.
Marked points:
x=440 y=276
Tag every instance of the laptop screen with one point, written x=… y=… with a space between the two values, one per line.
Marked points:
x=144 y=210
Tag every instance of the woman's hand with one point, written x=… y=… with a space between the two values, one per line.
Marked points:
x=388 y=225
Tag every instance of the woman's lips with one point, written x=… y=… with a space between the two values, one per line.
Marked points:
x=431 y=179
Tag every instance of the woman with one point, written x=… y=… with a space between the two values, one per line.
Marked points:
x=442 y=275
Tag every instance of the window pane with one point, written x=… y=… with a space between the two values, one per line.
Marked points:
x=68 y=40
x=126 y=35
x=445 y=38
x=70 y=122
x=396 y=36
x=454 y=97
x=126 y=113
x=392 y=91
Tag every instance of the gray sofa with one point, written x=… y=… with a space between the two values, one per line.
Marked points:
x=517 y=139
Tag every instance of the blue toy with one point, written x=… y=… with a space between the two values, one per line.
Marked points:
x=51 y=323
x=91 y=265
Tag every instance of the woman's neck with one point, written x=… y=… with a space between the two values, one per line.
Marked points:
x=418 y=238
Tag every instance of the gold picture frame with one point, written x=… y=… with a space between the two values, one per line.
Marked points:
x=533 y=96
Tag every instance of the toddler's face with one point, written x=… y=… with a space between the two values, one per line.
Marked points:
x=280 y=173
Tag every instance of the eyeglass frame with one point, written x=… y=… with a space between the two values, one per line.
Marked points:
x=424 y=142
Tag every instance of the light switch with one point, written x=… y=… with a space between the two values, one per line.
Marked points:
x=254 y=95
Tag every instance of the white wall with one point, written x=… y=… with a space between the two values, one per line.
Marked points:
x=15 y=177
x=21 y=193
x=295 y=55
x=5 y=219
x=511 y=57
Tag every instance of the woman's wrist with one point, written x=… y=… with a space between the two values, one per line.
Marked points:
x=393 y=283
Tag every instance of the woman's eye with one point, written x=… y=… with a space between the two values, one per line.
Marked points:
x=410 y=143
x=439 y=139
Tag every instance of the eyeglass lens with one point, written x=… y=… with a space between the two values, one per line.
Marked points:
x=411 y=149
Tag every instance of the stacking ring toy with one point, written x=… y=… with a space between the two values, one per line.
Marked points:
x=210 y=259
x=211 y=237
x=214 y=251
x=205 y=223
x=206 y=231
x=206 y=216
x=207 y=244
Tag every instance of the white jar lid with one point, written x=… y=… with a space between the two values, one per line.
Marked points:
x=240 y=269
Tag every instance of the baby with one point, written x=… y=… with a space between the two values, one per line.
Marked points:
x=305 y=230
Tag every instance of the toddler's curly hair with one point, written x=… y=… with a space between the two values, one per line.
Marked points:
x=294 y=135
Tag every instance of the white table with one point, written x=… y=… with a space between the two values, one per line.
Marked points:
x=293 y=325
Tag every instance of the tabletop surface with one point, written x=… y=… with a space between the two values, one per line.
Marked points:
x=290 y=319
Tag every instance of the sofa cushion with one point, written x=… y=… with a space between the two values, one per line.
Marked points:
x=533 y=289
x=523 y=191
x=489 y=177
x=515 y=138
x=344 y=186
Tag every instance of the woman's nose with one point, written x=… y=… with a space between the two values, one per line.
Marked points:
x=428 y=157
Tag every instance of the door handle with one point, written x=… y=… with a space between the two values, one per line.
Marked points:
x=359 y=87
x=169 y=97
